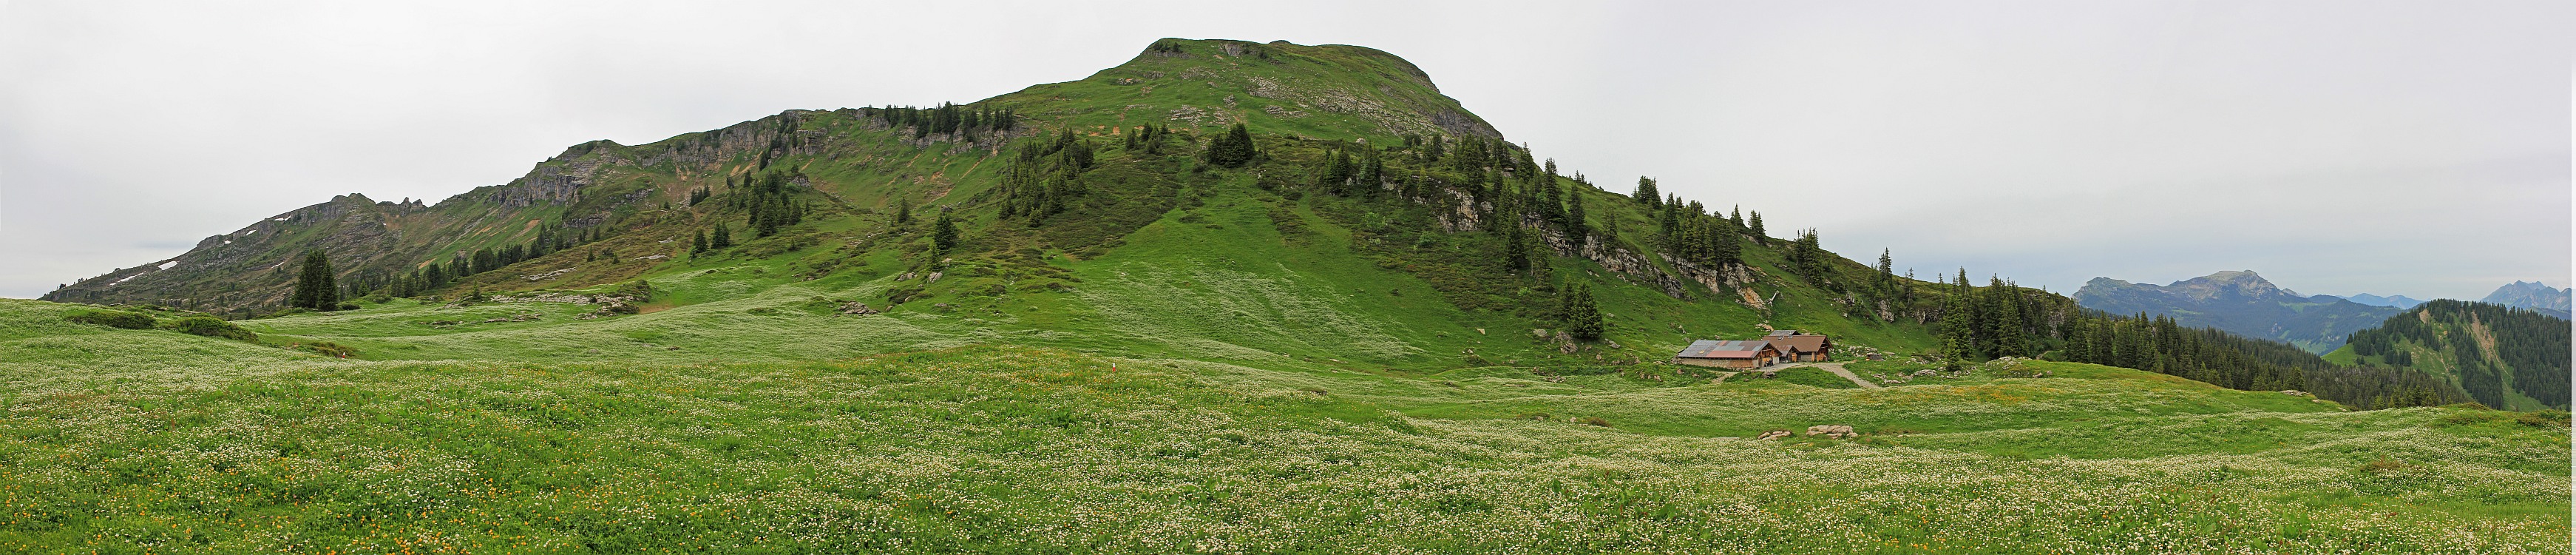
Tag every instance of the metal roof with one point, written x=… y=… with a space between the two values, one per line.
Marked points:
x=1724 y=349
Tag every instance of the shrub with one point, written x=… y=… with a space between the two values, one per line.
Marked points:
x=329 y=349
x=210 y=327
x=348 y=306
x=113 y=318
x=2543 y=419
x=379 y=298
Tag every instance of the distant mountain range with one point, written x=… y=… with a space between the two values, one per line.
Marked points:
x=2392 y=301
x=2532 y=295
x=2243 y=303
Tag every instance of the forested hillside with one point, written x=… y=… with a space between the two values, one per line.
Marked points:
x=2503 y=356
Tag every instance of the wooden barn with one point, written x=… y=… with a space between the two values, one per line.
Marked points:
x=1741 y=355
x=1798 y=347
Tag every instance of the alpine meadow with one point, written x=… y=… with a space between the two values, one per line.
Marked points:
x=1226 y=297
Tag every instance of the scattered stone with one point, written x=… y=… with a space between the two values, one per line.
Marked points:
x=857 y=309
x=1773 y=435
x=943 y=307
x=2294 y=392
x=1835 y=431
x=934 y=277
x=906 y=276
x=514 y=318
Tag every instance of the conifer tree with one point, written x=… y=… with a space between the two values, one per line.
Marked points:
x=1646 y=193
x=1736 y=216
x=313 y=284
x=1582 y=317
x=1755 y=225
x=698 y=243
x=903 y=210
x=723 y=238
x=943 y=234
x=1233 y=149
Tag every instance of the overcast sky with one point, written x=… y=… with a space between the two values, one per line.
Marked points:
x=2416 y=148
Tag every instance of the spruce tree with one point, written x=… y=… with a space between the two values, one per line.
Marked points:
x=313 y=284
x=1233 y=149
x=698 y=243
x=903 y=210
x=943 y=234
x=723 y=238
x=1755 y=225
x=1581 y=316
x=1646 y=193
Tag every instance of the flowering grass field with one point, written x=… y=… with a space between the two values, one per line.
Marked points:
x=142 y=441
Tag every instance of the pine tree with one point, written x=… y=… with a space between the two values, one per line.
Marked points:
x=1581 y=316
x=698 y=243
x=1646 y=193
x=313 y=284
x=903 y=210
x=723 y=238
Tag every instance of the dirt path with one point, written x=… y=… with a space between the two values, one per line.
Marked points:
x=1837 y=369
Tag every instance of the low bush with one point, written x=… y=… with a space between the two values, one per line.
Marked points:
x=2543 y=419
x=210 y=327
x=113 y=318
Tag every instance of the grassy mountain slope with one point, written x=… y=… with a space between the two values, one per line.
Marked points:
x=134 y=440
x=1136 y=350
x=1133 y=263
x=2506 y=357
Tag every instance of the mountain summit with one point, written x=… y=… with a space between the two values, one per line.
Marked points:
x=2241 y=302
x=2532 y=295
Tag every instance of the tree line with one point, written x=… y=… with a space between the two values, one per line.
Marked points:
x=2492 y=349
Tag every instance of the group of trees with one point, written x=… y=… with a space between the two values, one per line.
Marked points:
x=2002 y=319
x=946 y=118
x=767 y=199
x=1044 y=179
x=1150 y=139
x=313 y=287
x=2492 y=349
x=1690 y=233
x=1233 y=149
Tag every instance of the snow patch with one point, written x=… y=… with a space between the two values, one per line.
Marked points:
x=278 y=220
x=126 y=278
x=168 y=265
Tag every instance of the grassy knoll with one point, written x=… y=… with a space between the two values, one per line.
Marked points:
x=153 y=441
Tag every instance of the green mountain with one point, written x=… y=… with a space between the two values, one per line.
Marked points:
x=1371 y=227
x=1098 y=316
x=2509 y=357
x=2239 y=302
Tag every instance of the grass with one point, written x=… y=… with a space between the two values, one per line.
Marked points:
x=148 y=440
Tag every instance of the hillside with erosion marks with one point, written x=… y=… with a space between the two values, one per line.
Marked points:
x=1226 y=296
x=2506 y=357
